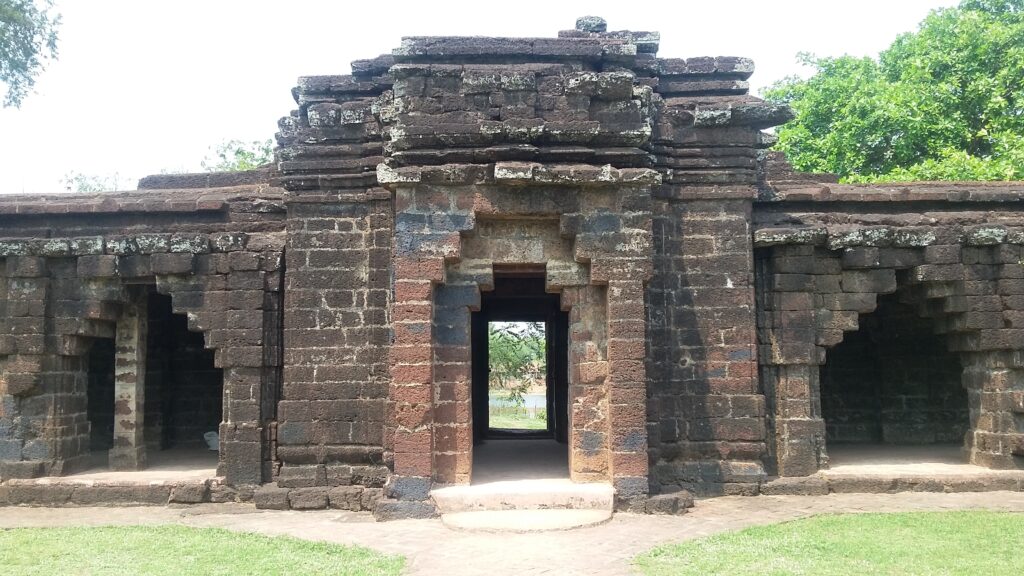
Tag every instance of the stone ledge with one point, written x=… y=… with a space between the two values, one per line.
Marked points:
x=897 y=192
x=417 y=48
x=204 y=179
x=69 y=492
x=141 y=244
x=839 y=236
x=824 y=483
x=176 y=200
x=519 y=173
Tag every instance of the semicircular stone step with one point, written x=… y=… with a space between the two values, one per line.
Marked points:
x=524 y=520
x=554 y=494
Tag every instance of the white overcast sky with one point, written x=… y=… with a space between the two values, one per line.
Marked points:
x=143 y=86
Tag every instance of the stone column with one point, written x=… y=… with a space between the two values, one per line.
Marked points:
x=129 y=450
x=627 y=389
x=789 y=357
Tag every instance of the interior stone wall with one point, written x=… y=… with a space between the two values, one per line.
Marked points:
x=184 y=388
x=893 y=381
x=100 y=395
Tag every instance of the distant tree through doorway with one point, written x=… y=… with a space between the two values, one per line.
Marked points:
x=517 y=375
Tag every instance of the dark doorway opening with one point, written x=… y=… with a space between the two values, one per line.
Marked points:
x=519 y=310
x=100 y=398
x=184 y=389
x=893 y=382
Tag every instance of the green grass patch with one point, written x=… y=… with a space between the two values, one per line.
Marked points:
x=517 y=418
x=516 y=422
x=176 y=550
x=932 y=543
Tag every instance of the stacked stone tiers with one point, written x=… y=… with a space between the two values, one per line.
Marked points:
x=585 y=97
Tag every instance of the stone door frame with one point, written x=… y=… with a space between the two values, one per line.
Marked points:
x=443 y=256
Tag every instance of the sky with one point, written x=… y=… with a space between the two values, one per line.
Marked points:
x=144 y=86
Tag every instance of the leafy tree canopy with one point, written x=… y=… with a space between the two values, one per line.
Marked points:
x=516 y=357
x=943 y=103
x=236 y=156
x=28 y=37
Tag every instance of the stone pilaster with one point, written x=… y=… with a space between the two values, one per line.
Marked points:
x=129 y=448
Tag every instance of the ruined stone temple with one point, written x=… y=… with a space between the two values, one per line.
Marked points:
x=715 y=323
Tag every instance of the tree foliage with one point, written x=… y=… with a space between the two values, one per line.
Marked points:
x=87 y=183
x=237 y=155
x=516 y=357
x=943 y=103
x=28 y=37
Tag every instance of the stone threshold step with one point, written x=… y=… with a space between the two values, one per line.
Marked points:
x=521 y=521
x=560 y=494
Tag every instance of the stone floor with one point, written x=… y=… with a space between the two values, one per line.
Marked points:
x=433 y=549
x=878 y=459
x=519 y=459
x=165 y=466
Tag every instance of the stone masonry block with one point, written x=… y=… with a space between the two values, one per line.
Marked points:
x=26 y=266
x=271 y=497
x=97 y=266
x=172 y=263
x=308 y=498
x=877 y=281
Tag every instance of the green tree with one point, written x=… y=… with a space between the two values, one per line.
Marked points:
x=516 y=357
x=86 y=183
x=943 y=103
x=236 y=156
x=28 y=37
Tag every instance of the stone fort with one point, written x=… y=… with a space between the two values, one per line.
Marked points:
x=716 y=323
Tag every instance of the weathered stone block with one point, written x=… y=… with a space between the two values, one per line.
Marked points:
x=21 y=469
x=120 y=495
x=97 y=266
x=271 y=497
x=861 y=484
x=308 y=498
x=390 y=509
x=414 y=488
x=346 y=498
x=675 y=503
x=189 y=493
x=38 y=494
x=26 y=266
x=172 y=263
x=795 y=486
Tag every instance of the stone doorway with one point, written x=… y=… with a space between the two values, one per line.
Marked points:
x=531 y=443
x=184 y=389
x=892 y=392
x=152 y=392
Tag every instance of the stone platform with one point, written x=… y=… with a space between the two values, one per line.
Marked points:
x=888 y=469
x=172 y=477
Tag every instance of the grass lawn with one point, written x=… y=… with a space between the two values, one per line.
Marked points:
x=177 y=550
x=516 y=422
x=969 y=543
